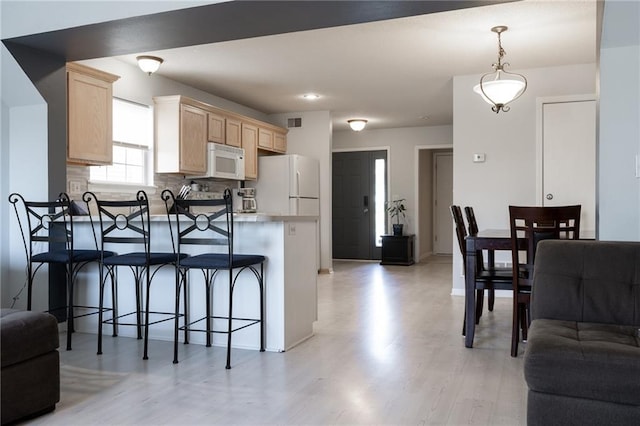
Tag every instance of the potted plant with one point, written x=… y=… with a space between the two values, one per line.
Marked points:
x=396 y=209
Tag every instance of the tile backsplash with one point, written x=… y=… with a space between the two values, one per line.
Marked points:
x=78 y=181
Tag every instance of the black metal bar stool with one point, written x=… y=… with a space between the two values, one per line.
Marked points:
x=213 y=229
x=128 y=223
x=47 y=234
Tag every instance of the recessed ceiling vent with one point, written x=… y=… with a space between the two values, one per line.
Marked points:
x=294 y=122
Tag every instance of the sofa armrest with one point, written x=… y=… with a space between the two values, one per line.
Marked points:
x=587 y=281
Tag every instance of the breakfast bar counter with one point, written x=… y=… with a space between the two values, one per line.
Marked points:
x=290 y=244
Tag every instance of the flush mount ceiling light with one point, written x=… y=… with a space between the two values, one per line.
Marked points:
x=311 y=96
x=149 y=64
x=357 y=124
x=500 y=87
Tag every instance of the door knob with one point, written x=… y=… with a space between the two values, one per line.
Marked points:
x=549 y=196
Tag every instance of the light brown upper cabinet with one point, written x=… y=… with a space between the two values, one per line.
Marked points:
x=250 y=145
x=180 y=135
x=279 y=142
x=265 y=138
x=89 y=115
x=234 y=132
x=216 y=130
x=183 y=126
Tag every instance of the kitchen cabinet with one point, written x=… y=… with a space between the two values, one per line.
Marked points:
x=89 y=115
x=180 y=136
x=216 y=130
x=250 y=145
x=280 y=142
x=272 y=140
x=265 y=138
x=184 y=126
x=234 y=132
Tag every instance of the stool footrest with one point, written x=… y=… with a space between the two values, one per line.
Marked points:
x=250 y=322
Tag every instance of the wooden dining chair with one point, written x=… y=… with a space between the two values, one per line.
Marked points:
x=534 y=224
x=472 y=226
x=486 y=278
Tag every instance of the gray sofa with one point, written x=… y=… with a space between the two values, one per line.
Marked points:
x=30 y=373
x=582 y=359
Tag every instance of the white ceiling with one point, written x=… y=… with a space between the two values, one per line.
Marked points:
x=394 y=73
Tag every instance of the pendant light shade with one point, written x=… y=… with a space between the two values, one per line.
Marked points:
x=149 y=64
x=500 y=87
x=357 y=124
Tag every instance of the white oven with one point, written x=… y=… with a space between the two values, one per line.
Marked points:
x=225 y=162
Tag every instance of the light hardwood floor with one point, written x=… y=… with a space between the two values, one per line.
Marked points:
x=387 y=350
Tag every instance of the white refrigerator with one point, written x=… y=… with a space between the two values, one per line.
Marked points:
x=288 y=185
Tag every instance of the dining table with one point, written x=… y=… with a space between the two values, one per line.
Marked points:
x=491 y=240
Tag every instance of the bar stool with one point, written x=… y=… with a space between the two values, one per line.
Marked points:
x=50 y=224
x=213 y=228
x=128 y=223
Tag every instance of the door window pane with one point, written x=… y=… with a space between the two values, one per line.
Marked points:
x=380 y=195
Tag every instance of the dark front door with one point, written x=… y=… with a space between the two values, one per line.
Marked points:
x=359 y=192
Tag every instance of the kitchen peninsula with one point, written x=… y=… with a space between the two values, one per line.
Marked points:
x=290 y=246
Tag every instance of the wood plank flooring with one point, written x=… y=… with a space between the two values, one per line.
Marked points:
x=387 y=350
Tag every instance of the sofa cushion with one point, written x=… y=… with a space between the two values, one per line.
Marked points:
x=584 y=360
x=26 y=334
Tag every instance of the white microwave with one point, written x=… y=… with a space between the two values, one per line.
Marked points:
x=225 y=162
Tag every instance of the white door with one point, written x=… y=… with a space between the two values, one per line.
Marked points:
x=443 y=198
x=569 y=158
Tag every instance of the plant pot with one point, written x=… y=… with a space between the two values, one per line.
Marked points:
x=397 y=229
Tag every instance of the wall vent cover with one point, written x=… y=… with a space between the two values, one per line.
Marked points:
x=294 y=122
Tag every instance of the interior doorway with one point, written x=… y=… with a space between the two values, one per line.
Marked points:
x=434 y=228
x=359 y=193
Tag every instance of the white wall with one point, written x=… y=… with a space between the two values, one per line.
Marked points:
x=313 y=139
x=508 y=175
x=619 y=138
x=403 y=176
x=28 y=165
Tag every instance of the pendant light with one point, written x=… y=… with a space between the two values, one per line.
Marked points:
x=500 y=87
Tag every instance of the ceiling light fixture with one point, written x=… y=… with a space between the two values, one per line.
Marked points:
x=500 y=91
x=311 y=96
x=149 y=64
x=357 y=124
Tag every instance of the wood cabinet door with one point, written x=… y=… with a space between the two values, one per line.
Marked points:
x=89 y=118
x=280 y=142
x=234 y=133
x=250 y=145
x=216 y=128
x=265 y=139
x=193 y=139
